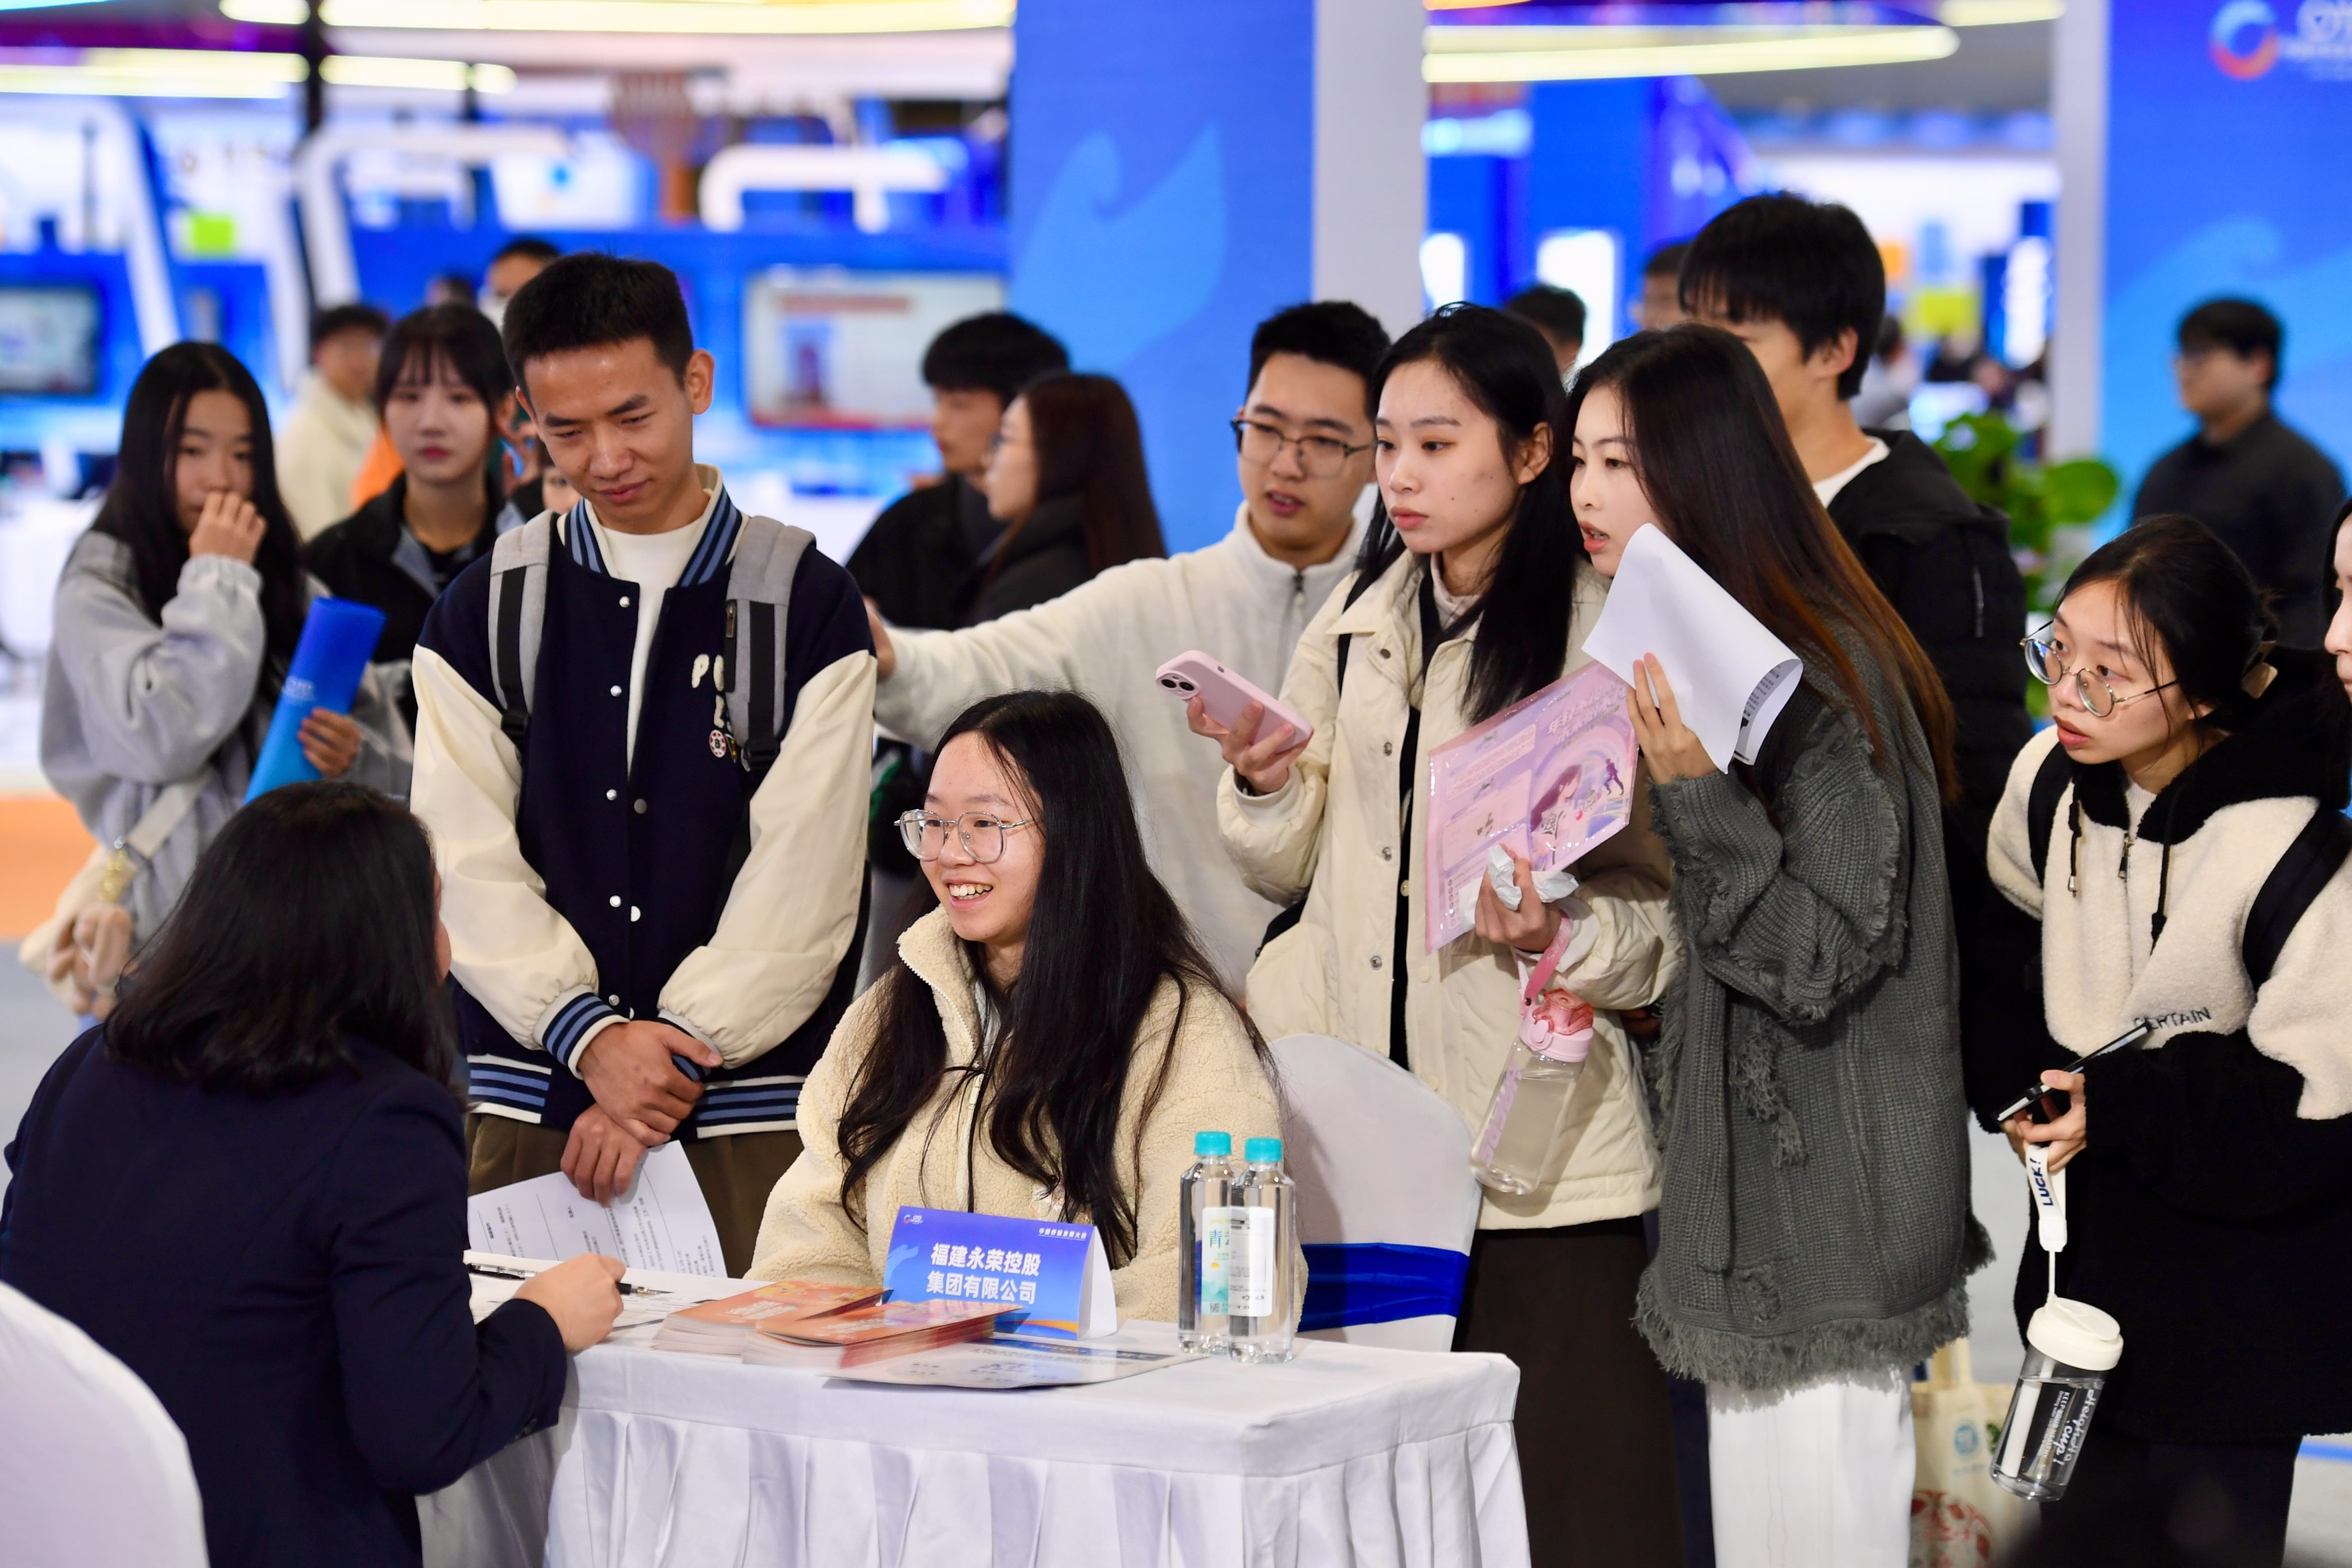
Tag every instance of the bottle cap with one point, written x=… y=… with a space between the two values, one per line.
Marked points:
x=1207 y=1145
x=1263 y=1151
x=2076 y=1333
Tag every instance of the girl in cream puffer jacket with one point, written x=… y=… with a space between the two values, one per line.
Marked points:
x=1475 y=593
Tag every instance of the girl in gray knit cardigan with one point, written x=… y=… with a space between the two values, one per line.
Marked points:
x=1814 y=1230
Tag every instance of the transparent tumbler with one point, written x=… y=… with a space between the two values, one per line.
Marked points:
x=2070 y=1348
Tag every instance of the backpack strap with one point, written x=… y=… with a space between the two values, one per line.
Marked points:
x=2050 y=781
x=759 y=595
x=2311 y=862
x=518 y=609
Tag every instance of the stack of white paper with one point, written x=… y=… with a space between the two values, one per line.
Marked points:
x=660 y=1223
x=1731 y=676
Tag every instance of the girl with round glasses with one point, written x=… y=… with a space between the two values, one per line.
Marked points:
x=1048 y=1041
x=2209 y=1197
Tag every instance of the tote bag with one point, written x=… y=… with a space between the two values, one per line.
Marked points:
x=1960 y=1518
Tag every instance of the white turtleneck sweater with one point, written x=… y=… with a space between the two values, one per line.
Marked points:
x=1106 y=639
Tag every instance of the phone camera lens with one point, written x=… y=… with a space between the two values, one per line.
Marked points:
x=1185 y=685
x=1168 y=682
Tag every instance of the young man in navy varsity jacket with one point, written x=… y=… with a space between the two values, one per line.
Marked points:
x=651 y=914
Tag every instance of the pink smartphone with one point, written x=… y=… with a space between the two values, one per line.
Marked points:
x=1223 y=694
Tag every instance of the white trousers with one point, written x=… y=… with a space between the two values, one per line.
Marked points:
x=1817 y=1476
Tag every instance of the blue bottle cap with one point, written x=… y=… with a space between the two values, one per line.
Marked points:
x=1261 y=1151
x=1207 y=1145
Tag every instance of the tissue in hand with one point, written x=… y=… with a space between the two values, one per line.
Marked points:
x=1551 y=886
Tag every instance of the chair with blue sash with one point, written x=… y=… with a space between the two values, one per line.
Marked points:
x=1387 y=1205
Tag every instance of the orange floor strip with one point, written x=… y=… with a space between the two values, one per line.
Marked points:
x=42 y=845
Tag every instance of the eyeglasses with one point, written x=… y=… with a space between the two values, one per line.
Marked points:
x=2048 y=667
x=1321 y=456
x=982 y=833
x=998 y=440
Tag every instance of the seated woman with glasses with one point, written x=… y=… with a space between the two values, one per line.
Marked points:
x=1066 y=479
x=1048 y=1041
x=2176 y=835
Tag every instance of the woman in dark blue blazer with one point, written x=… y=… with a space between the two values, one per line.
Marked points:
x=250 y=1185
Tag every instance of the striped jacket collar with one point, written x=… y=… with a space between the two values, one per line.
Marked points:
x=722 y=520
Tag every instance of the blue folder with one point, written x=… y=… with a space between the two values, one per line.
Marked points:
x=337 y=638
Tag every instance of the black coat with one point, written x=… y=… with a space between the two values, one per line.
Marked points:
x=1043 y=557
x=2271 y=496
x=1942 y=562
x=2210 y=1220
x=288 y=1275
x=914 y=559
x=372 y=557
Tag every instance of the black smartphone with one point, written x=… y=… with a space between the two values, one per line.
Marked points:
x=2043 y=1105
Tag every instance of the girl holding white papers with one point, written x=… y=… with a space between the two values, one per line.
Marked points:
x=1469 y=593
x=1815 y=1229
x=176 y=617
x=1050 y=1039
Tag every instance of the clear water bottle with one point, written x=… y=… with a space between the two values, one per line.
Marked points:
x=1262 y=1291
x=2070 y=1348
x=1204 y=1245
x=1523 y=1145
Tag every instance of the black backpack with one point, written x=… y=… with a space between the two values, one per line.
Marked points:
x=2310 y=860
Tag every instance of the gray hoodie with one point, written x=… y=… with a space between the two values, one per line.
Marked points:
x=1815 y=1219
x=134 y=703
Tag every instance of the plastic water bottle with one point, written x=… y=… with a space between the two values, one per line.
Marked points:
x=1262 y=1286
x=2070 y=1348
x=1204 y=1245
x=1520 y=1146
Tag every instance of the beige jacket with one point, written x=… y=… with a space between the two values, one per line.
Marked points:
x=1215 y=1083
x=1333 y=831
x=322 y=444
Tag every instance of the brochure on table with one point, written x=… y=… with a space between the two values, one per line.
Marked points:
x=1548 y=778
x=660 y=1223
x=1017 y=1361
x=1055 y=1273
x=1731 y=676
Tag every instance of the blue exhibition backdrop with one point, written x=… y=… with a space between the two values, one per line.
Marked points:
x=2226 y=174
x=1163 y=204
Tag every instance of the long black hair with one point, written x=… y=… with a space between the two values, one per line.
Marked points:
x=1103 y=936
x=310 y=918
x=1504 y=366
x=1716 y=464
x=2189 y=598
x=141 y=508
x=1090 y=446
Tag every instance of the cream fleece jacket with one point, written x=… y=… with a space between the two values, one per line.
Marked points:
x=1216 y=1081
x=1105 y=639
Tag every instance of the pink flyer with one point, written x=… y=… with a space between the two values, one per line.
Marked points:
x=1549 y=777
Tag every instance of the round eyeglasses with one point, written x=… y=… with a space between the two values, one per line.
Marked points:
x=981 y=833
x=1322 y=457
x=2048 y=664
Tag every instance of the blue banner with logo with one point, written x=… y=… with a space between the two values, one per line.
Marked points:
x=2226 y=175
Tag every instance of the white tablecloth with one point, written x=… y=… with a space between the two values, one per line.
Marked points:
x=1348 y=1455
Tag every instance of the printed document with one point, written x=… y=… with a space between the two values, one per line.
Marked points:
x=1731 y=676
x=661 y=1223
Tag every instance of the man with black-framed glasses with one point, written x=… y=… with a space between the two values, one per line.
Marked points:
x=1303 y=452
